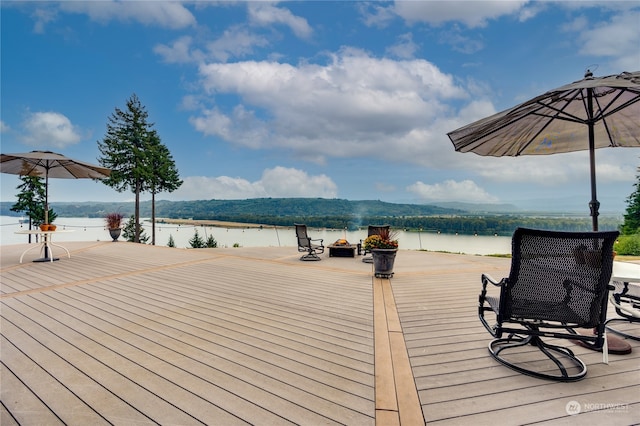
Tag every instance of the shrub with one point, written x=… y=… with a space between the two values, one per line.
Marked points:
x=211 y=242
x=171 y=242
x=628 y=245
x=197 y=241
x=129 y=231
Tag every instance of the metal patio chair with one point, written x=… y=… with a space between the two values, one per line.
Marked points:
x=626 y=300
x=308 y=245
x=558 y=282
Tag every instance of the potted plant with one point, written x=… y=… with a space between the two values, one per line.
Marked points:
x=383 y=247
x=114 y=221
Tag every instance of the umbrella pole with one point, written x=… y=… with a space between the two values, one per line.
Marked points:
x=46 y=212
x=594 y=205
x=46 y=197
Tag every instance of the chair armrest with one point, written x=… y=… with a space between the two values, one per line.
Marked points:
x=316 y=239
x=486 y=279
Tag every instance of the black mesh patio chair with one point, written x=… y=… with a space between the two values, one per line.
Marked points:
x=558 y=282
x=308 y=245
x=372 y=230
x=625 y=298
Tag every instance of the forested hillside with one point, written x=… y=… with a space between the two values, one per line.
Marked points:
x=257 y=207
x=333 y=213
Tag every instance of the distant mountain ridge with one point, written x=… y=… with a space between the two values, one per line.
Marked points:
x=213 y=209
x=479 y=208
x=338 y=214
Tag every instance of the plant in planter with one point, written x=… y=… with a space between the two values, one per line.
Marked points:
x=383 y=247
x=114 y=221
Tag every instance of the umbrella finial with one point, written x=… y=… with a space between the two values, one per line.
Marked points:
x=588 y=74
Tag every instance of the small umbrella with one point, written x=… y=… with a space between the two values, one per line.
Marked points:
x=594 y=112
x=49 y=164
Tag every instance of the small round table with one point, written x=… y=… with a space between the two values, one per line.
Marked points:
x=47 y=237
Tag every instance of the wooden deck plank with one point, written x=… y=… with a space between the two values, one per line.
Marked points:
x=255 y=335
x=209 y=363
x=459 y=383
x=386 y=399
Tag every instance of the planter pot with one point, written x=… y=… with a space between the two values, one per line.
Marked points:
x=115 y=233
x=383 y=260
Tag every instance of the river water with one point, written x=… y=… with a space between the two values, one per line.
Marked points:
x=85 y=229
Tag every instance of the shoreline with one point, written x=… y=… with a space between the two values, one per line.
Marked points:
x=215 y=223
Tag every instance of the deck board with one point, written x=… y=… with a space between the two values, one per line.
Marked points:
x=131 y=334
x=459 y=383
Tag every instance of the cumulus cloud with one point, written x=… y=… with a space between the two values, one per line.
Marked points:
x=277 y=182
x=49 y=129
x=354 y=105
x=472 y=13
x=450 y=190
x=616 y=39
x=404 y=48
x=166 y=14
x=179 y=51
x=235 y=42
x=266 y=14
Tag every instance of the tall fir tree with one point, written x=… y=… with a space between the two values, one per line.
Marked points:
x=124 y=150
x=31 y=201
x=631 y=223
x=164 y=176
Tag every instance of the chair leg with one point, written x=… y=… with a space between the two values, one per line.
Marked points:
x=618 y=332
x=311 y=255
x=563 y=359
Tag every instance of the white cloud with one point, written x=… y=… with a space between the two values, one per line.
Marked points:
x=471 y=13
x=42 y=16
x=49 y=129
x=266 y=14
x=404 y=48
x=235 y=42
x=450 y=190
x=178 y=52
x=375 y=15
x=4 y=127
x=616 y=39
x=277 y=182
x=355 y=105
x=166 y=14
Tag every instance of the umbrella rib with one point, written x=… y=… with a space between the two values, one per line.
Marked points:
x=557 y=116
x=621 y=106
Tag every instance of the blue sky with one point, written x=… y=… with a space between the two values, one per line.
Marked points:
x=343 y=99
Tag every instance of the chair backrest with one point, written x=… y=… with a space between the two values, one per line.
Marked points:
x=301 y=235
x=375 y=229
x=559 y=276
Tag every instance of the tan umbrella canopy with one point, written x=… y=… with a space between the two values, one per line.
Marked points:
x=594 y=112
x=49 y=164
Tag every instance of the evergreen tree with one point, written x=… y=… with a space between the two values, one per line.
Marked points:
x=164 y=175
x=124 y=150
x=129 y=232
x=171 y=242
x=31 y=201
x=211 y=242
x=631 y=223
x=196 y=241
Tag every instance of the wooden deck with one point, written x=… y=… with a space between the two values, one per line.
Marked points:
x=127 y=334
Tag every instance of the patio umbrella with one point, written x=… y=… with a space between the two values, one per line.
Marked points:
x=49 y=164
x=594 y=112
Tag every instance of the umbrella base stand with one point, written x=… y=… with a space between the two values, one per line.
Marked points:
x=616 y=345
x=46 y=259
